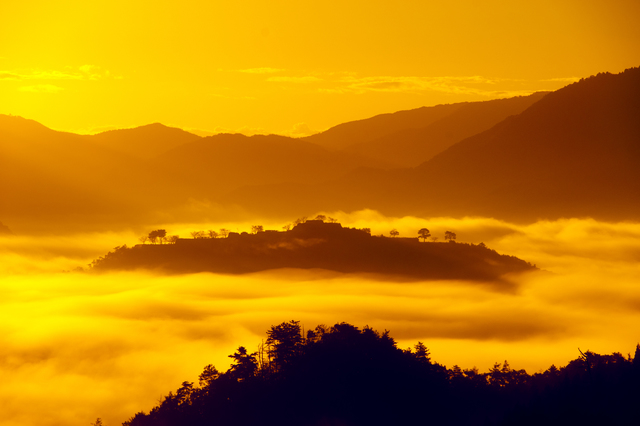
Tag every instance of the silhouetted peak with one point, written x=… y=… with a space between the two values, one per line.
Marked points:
x=4 y=229
x=20 y=125
x=153 y=129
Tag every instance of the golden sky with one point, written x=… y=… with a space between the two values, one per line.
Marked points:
x=289 y=66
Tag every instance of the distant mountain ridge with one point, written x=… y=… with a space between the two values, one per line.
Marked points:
x=569 y=153
x=412 y=146
x=574 y=153
x=144 y=141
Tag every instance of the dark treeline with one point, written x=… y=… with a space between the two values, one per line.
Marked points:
x=342 y=375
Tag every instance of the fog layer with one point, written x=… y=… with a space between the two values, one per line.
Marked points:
x=74 y=346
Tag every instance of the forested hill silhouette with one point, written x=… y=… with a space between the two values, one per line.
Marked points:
x=415 y=145
x=316 y=244
x=343 y=375
x=574 y=153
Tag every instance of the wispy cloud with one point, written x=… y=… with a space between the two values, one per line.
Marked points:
x=290 y=79
x=41 y=88
x=467 y=85
x=264 y=70
x=4 y=75
x=563 y=79
x=84 y=72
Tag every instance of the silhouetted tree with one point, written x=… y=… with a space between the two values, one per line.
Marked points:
x=424 y=234
x=144 y=239
x=212 y=234
x=284 y=341
x=287 y=227
x=300 y=220
x=245 y=364
x=157 y=235
x=422 y=353
x=331 y=220
x=394 y=233
x=434 y=239
x=197 y=234
x=208 y=376
x=321 y=217
x=257 y=228
x=173 y=239
x=450 y=236
x=224 y=232
x=367 y=230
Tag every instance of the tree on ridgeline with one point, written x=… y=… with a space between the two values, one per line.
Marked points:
x=332 y=220
x=434 y=239
x=144 y=239
x=287 y=227
x=172 y=239
x=212 y=234
x=157 y=236
x=450 y=236
x=344 y=375
x=300 y=220
x=245 y=364
x=257 y=228
x=424 y=234
x=394 y=233
x=224 y=232
x=283 y=343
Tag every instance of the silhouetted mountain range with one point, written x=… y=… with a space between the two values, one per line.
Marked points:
x=315 y=244
x=574 y=153
x=397 y=138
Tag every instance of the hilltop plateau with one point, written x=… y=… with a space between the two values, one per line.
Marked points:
x=316 y=244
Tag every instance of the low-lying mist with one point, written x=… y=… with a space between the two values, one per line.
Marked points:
x=76 y=346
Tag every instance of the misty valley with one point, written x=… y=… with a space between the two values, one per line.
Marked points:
x=473 y=263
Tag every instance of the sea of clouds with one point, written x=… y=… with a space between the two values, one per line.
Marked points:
x=77 y=346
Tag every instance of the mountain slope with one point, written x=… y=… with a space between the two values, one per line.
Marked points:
x=346 y=134
x=228 y=161
x=574 y=153
x=144 y=141
x=411 y=147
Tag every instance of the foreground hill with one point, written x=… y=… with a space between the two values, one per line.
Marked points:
x=574 y=153
x=342 y=375
x=315 y=244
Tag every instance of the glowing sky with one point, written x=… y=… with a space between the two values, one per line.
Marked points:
x=290 y=66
